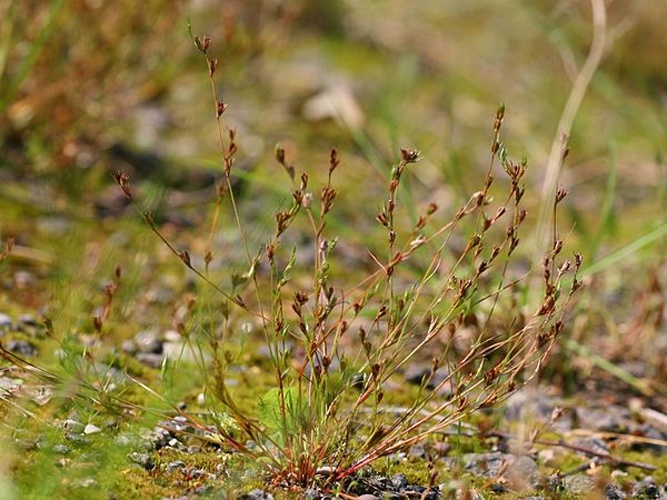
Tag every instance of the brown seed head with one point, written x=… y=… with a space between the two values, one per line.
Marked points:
x=410 y=155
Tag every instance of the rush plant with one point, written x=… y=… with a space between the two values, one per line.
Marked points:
x=448 y=294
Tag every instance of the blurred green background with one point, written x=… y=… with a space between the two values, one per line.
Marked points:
x=92 y=86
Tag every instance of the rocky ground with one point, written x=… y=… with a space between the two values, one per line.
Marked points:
x=538 y=445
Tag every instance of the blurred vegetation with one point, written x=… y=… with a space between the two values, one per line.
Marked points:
x=87 y=84
x=88 y=87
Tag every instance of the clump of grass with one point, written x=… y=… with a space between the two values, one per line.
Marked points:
x=448 y=293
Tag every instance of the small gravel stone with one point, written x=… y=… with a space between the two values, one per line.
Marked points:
x=62 y=449
x=613 y=492
x=611 y=418
x=441 y=448
x=143 y=459
x=579 y=484
x=77 y=439
x=129 y=347
x=417 y=374
x=9 y=386
x=27 y=320
x=149 y=342
x=176 y=444
x=23 y=279
x=161 y=437
x=203 y=490
x=485 y=464
x=73 y=425
x=39 y=394
x=177 y=464
x=312 y=494
x=125 y=439
x=538 y=404
x=390 y=495
x=151 y=359
x=86 y=482
x=592 y=443
x=554 y=484
x=197 y=473
x=257 y=495
x=144 y=440
x=646 y=488
x=179 y=423
x=172 y=336
x=399 y=481
x=647 y=431
x=550 y=457
x=160 y=295
x=22 y=348
x=417 y=451
x=110 y=423
x=91 y=429
x=6 y=323
x=55 y=225
x=523 y=473
x=414 y=491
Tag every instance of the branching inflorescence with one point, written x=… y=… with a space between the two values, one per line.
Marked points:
x=335 y=346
